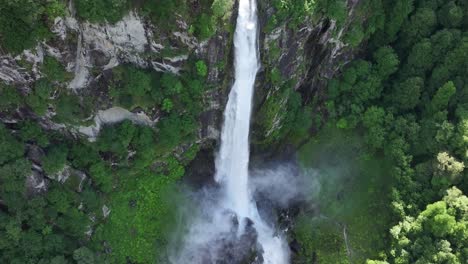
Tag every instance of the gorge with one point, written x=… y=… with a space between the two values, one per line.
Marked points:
x=233 y=131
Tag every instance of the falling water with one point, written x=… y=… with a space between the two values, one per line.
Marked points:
x=233 y=158
x=223 y=223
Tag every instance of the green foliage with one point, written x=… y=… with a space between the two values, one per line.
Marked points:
x=320 y=239
x=72 y=109
x=38 y=100
x=53 y=70
x=404 y=101
x=55 y=159
x=282 y=119
x=396 y=13
x=116 y=139
x=204 y=26
x=102 y=10
x=406 y=95
x=386 y=61
x=102 y=175
x=162 y=12
x=450 y=15
x=442 y=97
x=83 y=256
x=143 y=217
x=334 y=9
x=31 y=131
x=134 y=87
x=24 y=22
x=221 y=8
x=355 y=35
x=10 y=98
x=202 y=69
x=421 y=24
x=374 y=120
x=352 y=198
x=137 y=82
x=448 y=171
x=174 y=130
x=10 y=148
x=293 y=11
x=438 y=234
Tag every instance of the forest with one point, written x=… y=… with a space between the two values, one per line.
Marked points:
x=388 y=132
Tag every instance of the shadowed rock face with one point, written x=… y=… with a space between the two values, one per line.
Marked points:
x=201 y=170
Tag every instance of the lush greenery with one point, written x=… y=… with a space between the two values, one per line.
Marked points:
x=23 y=22
x=407 y=99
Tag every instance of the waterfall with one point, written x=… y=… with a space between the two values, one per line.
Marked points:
x=229 y=224
x=233 y=158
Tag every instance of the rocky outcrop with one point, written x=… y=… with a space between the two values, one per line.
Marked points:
x=310 y=54
x=303 y=58
x=114 y=115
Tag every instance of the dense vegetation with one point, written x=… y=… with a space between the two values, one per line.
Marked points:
x=407 y=101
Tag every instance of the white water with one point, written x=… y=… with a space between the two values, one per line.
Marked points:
x=222 y=222
x=233 y=158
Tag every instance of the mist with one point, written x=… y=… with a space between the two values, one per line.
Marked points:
x=209 y=232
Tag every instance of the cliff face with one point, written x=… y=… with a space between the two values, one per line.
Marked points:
x=301 y=58
x=293 y=59
x=90 y=51
x=306 y=56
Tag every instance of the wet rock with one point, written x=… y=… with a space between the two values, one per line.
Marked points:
x=114 y=115
x=35 y=154
x=36 y=184
x=75 y=179
x=105 y=211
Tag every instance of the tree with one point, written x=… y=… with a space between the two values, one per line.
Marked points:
x=406 y=95
x=387 y=61
x=420 y=59
x=101 y=10
x=102 y=175
x=20 y=24
x=420 y=25
x=55 y=159
x=450 y=15
x=10 y=148
x=53 y=70
x=447 y=170
x=59 y=260
x=137 y=82
x=116 y=138
x=38 y=100
x=202 y=69
x=373 y=120
x=220 y=8
x=442 y=97
x=83 y=255
x=12 y=178
x=10 y=98
x=437 y=235
x=32 y=131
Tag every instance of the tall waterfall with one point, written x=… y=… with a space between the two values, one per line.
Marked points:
x=229 y=224
x=233 y=158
